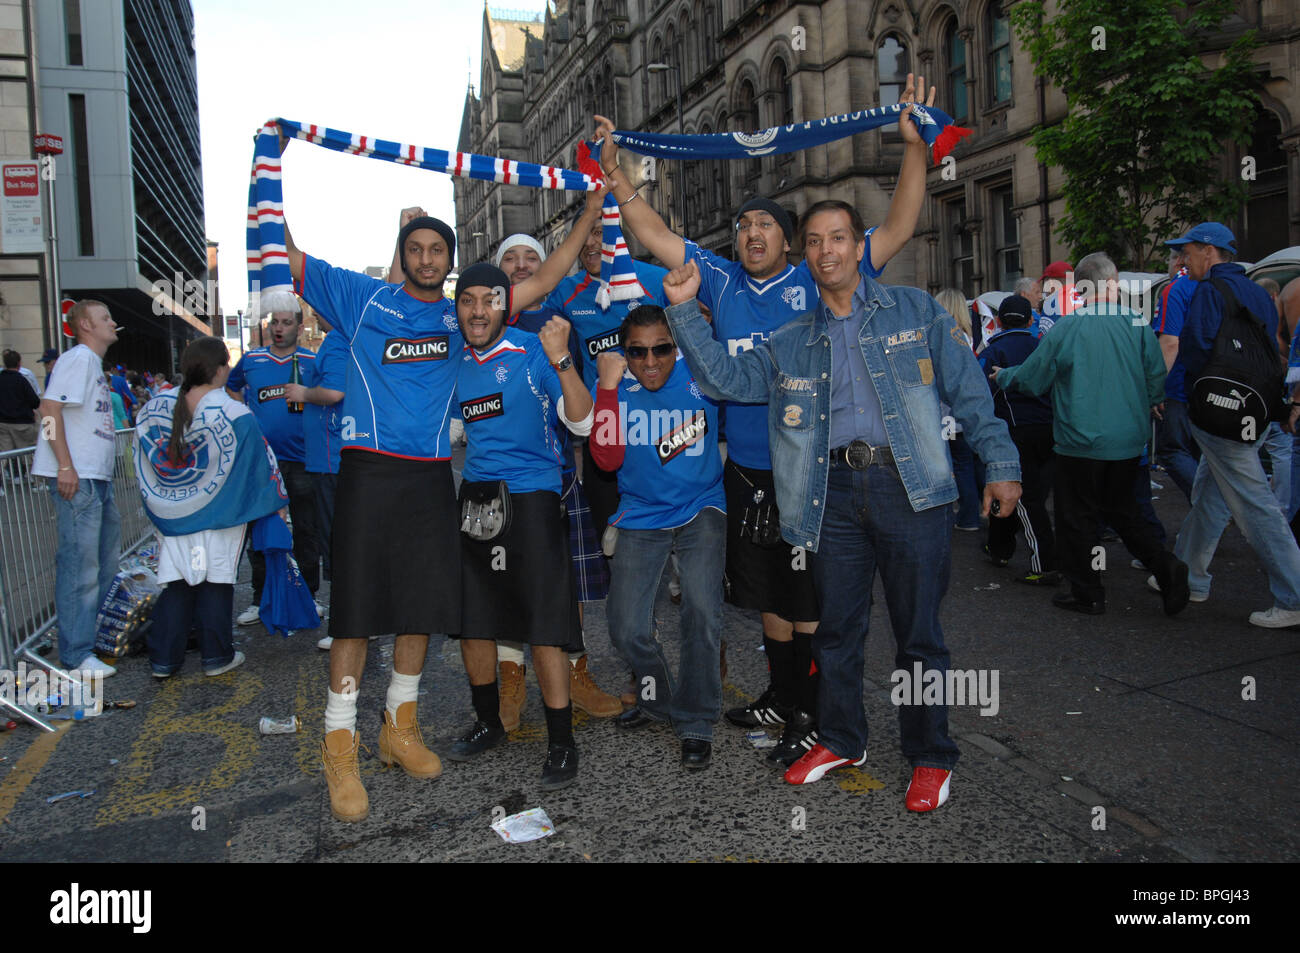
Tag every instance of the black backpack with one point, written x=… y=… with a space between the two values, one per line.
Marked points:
x=1240 y=390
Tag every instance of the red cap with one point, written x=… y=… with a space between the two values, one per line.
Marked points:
x=1057 y=270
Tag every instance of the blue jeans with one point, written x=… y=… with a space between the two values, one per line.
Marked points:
x=1177 y=451
x=869 y=524
x=968 y=472
x=90 y=545
x=1230 y=480
x=208 y=607
x=1280 y=447
x=693 y=700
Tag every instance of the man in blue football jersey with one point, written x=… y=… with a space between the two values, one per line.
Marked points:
x=660 y=435
x=513 y=386
x=750 y=299
x=396 y=555
x=320 y=394
x=259 y=379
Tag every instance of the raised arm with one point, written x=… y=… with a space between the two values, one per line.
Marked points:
x=576 y=403
x=558 y=262
x=296 y=256
x=639 y=217
x=905 y=207
x=396 y=273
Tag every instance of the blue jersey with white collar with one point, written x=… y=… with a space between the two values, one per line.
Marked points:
x=322 y=426
x=597 y=328
x=402 y=362
x=261 y=376
x=672 y=467
x=745 y=312
x=508 y=397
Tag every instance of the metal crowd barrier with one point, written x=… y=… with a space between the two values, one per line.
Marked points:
x=28 y=541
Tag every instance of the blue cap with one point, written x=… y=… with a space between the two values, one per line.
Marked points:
x=1207 y=233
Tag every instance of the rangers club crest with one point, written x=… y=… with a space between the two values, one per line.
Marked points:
x=794 y=297
x=501 y=374
x=450 y=321
x=695 y=390
x=756 y=143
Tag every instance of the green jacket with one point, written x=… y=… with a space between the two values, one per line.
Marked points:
x=1105 y=371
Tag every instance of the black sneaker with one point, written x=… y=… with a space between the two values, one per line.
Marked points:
x=561 y=767
x=996 y=560
x=766 y=710
x=481 y=737
x=797 y=739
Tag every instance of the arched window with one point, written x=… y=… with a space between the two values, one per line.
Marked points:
x=999 y=40
x=891 y=69
x=783 y=98
x=658 y=84
x=686 y=49
x=712 y=19
x=956 y=51
x=722 y=175
x=746 y=120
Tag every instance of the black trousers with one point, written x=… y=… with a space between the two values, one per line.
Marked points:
x=601 y=488
x=1037 y=468
x=1092 y=490
x=306 y=541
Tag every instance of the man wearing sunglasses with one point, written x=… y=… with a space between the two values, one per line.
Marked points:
x=750 y=298
x=660 y=434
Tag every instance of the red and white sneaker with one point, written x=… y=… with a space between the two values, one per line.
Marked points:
x=814 y=765
x=929 y=789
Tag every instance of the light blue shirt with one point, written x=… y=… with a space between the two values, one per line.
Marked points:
x=855 y=405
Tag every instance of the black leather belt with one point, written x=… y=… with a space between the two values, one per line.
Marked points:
x=859 y=455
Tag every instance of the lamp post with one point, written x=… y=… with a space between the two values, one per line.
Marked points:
x=681 y=130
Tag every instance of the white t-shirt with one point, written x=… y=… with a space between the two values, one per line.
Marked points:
x=78 y=384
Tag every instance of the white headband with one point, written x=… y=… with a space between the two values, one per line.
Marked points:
x=515 y=240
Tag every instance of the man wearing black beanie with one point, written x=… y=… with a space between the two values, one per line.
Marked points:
x=395 y=545
x=750 y=298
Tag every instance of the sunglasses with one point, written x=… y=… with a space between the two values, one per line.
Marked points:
x=639 y=351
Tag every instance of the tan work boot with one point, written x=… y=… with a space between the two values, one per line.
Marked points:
x=348 y=801
x=400 y=741
x=513 y=693
x=586 y=694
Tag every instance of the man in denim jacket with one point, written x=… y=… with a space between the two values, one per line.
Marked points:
x=863 y=475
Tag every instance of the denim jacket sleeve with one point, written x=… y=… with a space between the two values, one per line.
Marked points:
x=962 y=386
x=746 y=377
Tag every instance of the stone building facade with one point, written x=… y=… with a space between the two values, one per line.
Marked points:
x=749 y=64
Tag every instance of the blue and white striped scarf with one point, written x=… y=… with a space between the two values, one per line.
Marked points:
x=269 y=277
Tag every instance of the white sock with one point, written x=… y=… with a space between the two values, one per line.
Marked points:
x=510 y=652
x=341 y=711
x=574 y=656
x=402 y=689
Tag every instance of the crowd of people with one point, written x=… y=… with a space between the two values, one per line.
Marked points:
x=863 y=424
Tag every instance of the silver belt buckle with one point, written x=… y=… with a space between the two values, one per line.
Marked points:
x=850 y=456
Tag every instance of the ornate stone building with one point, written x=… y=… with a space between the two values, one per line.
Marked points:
x=746 y=65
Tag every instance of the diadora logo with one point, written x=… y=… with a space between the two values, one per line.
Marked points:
x=601 y=343
x=482 y=408
x=410 y=350
x=737 y=345
x=275 y=392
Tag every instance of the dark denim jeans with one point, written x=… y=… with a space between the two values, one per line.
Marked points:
x=90 y=544
x=1178 y=452
x=969 y=474
x=692 y=700
x=208 y=607
x=869 y=524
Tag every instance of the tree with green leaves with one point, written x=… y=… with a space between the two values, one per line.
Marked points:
x=1149 y=121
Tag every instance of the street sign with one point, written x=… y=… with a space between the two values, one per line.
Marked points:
x=48 y=145
x=21 y=227
x=64 y=307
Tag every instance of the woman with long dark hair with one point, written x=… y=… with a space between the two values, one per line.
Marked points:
x=205 y=472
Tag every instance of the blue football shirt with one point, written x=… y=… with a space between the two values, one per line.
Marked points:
x=261 y=376
x=322 y=426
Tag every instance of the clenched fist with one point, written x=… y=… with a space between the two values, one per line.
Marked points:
x=409 y=215
x=555 y=339
x=610 y=368
x=682 y=284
